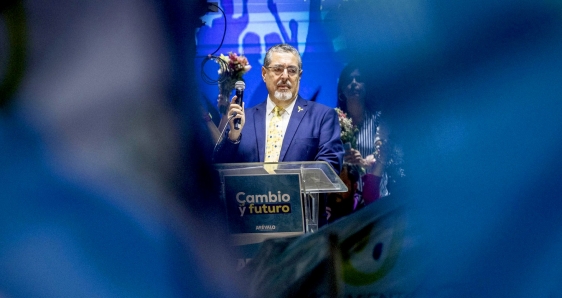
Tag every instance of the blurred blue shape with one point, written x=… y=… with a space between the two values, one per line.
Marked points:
x=472 y=90
x=59 y=238
x=103 y=191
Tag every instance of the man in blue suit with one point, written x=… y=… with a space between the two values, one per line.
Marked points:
x=307 y=131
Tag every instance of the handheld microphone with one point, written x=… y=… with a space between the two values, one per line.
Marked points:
x=239 y=86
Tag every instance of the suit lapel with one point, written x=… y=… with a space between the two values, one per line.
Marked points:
x=299 y=110
x=259 y=129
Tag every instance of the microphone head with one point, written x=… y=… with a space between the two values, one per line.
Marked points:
x=240 y=85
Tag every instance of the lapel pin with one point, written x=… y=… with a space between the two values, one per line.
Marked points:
x=300 y=109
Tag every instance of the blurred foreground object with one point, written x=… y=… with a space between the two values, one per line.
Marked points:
x=375 y=252
x=103 y=192
x=478 y=86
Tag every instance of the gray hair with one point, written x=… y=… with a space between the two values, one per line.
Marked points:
x=282 y=48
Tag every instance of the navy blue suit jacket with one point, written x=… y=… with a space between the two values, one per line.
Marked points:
x=313 y=134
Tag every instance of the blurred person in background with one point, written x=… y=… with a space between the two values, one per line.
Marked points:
x=103 y=192
x=372 y=156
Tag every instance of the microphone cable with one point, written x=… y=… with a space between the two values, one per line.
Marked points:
x=224 y=32
x=222 y=64
x=222 y=132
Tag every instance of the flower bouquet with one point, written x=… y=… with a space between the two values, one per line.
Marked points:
x=348 y=129
x=233 y=67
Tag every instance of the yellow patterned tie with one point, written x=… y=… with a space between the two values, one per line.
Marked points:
x=274 y=136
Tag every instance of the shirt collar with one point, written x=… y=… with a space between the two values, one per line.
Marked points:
x=271 y=105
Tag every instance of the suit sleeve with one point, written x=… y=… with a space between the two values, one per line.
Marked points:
x=330 y=145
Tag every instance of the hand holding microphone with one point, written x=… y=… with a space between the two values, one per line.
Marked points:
x=236 y=112
x=239 y=86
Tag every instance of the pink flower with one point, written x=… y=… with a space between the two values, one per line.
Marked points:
x=348 y=130
x=236 y=65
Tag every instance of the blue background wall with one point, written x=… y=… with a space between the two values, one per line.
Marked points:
x=254 y=26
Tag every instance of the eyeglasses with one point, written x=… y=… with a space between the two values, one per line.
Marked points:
x=279 y=69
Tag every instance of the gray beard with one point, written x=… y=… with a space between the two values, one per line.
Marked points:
x=284 y=96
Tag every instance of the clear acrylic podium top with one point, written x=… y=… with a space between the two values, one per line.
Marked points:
x=316 y=176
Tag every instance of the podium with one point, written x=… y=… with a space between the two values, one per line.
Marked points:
x=270 y=200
